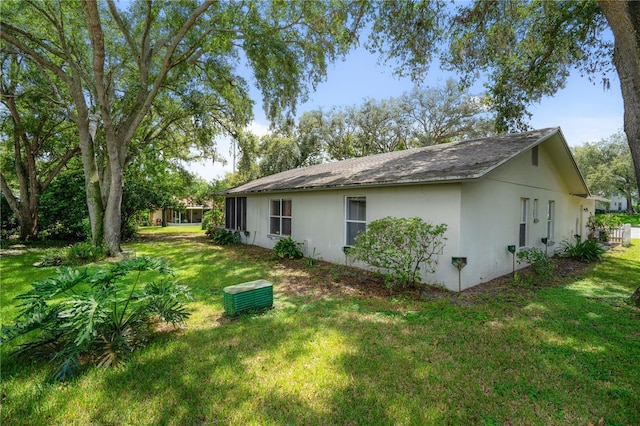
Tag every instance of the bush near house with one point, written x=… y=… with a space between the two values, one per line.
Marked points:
x=288 y=248
x=584 y=251
x=400 y=248
x=601 y=226
x=212 y=219
x=541 y=267
x=225 y=237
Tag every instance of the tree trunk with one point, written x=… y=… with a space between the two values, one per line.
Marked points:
x=90 y=169
x=624 y=19
x=635 y=297
x=27 y=219
x=629 y=203
x=113 y=214
x=25 y=207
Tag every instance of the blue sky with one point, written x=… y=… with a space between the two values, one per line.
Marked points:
x=584 y=111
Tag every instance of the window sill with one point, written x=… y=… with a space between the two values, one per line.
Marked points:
x=277 y=236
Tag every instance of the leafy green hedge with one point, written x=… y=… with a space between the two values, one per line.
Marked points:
x=400 y=248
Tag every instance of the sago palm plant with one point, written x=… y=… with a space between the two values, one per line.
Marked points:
x=100 y=315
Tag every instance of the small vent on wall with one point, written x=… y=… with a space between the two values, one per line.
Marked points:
x=534 y=155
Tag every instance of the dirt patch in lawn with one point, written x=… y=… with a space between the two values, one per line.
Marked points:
x=564 y=270
x=318 y=280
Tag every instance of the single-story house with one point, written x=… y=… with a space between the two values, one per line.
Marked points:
x=617 y=203
x=188 y=213
x=496 y=195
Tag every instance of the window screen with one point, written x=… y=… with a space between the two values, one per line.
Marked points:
x=356 y=217
x=236 y=213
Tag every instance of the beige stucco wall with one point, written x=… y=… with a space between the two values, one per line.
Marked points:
x=491 y=213
x=318 y=218
x=483 y=216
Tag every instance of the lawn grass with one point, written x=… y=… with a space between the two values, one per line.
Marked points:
x=559 y=355
x=175 y=229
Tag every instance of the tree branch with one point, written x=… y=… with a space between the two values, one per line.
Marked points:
x=34 y=55
x=125 y=31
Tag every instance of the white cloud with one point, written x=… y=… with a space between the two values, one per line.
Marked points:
x=258 y=129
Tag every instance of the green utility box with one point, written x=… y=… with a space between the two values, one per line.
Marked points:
x=252 y=295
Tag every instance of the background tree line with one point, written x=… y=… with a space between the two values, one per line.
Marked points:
x=418 y=118
x=608 y=168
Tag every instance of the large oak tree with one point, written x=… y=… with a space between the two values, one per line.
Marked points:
x=116 y=62
x=38 y=139
x=525 y=48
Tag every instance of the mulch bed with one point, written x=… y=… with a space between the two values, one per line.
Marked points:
x=325 y=279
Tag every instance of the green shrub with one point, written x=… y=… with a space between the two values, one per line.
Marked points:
x=311 y=259
x=601 y=226
x=225 y=237
x=62 y=211
x=400 y=248
x=129 y=230
x=541 y=264
x=213 y=219
x=584 y=251
x=82 y=253
x=78 y=254
x=288 y=248
x=52 y=257
x=99 y=316
x=8 y=220
x=207 y=221
x=211 y=222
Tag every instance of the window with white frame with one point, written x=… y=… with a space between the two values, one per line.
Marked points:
x=524 y=214
x=280 y=217
x=551 y=207
x=535 y=210
x=356 y=217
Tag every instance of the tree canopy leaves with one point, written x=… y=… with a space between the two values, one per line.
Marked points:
x=608 y=168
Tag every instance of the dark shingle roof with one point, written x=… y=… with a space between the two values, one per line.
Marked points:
x=454 y=161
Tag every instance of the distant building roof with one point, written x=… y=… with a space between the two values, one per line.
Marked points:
x=450 y=162
x=190 y=203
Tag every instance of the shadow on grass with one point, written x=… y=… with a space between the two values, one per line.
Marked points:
x=567 y=357
x=589 y=334
x=248 y=371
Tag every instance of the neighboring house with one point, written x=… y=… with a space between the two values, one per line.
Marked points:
x=510 y=190
x=619 y=203
x=189 y=213
x=614 y=203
